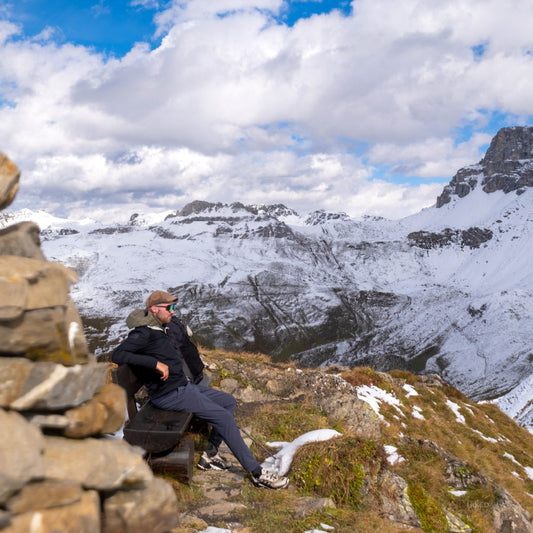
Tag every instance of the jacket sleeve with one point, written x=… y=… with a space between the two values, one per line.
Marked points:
x=131 y=351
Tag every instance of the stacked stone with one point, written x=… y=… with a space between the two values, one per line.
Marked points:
x=58 y=470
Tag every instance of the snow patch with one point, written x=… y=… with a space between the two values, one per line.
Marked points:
x=410 y=390
x=393 y=457
x=417 y=413
x=489 y=439
x=455 y=408
x=374 y=396
x=324 y=527
x=212 y=529
x=458 y=493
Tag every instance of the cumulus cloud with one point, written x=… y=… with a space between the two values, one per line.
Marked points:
x=431 y=158
x=234 y=105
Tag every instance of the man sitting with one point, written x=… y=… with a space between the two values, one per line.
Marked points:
x=160 y=366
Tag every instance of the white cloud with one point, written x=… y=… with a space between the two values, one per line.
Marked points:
x=430 y=158
x=234 y=106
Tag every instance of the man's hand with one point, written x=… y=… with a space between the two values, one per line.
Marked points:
x=161 y=367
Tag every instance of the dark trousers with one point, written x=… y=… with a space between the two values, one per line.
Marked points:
x=217 y=408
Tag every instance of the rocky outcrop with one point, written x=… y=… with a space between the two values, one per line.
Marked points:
x=58 y=471
x=472 y=238
x=507 y=166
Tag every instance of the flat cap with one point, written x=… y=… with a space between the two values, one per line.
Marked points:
x=160 y=297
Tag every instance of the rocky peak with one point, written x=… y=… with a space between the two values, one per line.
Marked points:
x=507 y=166
x=321 y=217
x=513 y=144
x=274 y=210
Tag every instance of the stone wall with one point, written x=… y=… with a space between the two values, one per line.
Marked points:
x=59 y=469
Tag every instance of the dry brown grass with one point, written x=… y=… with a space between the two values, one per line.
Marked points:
x=480 y=443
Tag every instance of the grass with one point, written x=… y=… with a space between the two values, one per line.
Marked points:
x=346 y=469
x=338 y=469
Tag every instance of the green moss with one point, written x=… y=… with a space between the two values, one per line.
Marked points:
x=428 y=510
x=224 y=374
x=289 y=421
x=336 y=469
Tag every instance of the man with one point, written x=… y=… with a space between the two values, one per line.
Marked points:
x=160 y=366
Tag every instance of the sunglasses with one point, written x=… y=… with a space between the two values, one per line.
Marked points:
x=169 y=308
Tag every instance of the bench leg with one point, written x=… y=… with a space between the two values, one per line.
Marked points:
x=178 y=463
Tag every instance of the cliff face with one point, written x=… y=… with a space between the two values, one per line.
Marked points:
x=57 y=471
x=507 y=166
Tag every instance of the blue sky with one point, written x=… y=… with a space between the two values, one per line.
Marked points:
x=367 y=107
x=112 y=26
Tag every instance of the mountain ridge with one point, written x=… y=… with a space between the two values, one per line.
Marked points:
x=446 y=290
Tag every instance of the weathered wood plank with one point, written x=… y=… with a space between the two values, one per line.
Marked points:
x=178 y=463
x=157 y=430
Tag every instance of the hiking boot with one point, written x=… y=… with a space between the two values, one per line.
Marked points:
x=216 y=462
x=270 y=480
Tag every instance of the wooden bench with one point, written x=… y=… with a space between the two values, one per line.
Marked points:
x=159 y=432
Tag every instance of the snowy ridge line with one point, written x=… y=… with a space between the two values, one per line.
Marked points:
x=469 y=309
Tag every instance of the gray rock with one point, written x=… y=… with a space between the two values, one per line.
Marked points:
x=47 y=386
x=395 y=503
x=44 y=422
x=507 y=166
x=456 y=525
x=37 y=316
x=101 y=464
x=339 y=399
x=104 y=413
x=509 y=516
x=21 y=445
x=44 y=495
x=82 y=516
x=36 y=285
x=307 y=505
x=22 y=240
x=153 y=508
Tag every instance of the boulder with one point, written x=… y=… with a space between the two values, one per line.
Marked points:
x=44 y=495
x=9 y=181
x=103 y=414
x=47 y=386
x=100 y=464
x=509 y=515
x=37 y=284
x=153 y=509
x=337 y=397
x=21 y=445
x=21 y=240
x=82 y=516
x=37 y=316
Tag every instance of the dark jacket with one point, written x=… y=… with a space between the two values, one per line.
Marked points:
x=142 y=349
x=193 y=365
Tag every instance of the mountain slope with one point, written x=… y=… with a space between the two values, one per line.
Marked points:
x=447 y=290
x=414 y=455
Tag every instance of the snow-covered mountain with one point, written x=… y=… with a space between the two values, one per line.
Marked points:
x=448 y=290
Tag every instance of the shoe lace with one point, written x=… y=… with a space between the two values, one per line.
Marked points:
x=269 y=476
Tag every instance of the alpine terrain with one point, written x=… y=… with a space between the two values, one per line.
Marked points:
x=448 y=290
